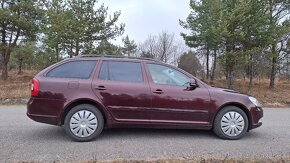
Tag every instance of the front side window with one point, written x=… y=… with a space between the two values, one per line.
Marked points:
x=121 y=71
x=165 y=75
x=74 y=69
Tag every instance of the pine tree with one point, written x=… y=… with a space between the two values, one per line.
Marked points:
x=76 y=26
x=130 y=46
x=237 y=29
x=19 y=20
x=90 y=25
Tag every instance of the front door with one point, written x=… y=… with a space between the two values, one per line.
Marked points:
x=123 y=90
x=173 y=101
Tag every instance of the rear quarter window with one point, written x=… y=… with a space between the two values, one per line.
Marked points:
x=73 y=69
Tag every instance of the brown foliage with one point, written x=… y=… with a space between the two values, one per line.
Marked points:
x=16 y=86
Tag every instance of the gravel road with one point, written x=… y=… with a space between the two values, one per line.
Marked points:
x=22 y=139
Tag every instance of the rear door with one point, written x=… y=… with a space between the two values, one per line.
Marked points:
x=124 y=90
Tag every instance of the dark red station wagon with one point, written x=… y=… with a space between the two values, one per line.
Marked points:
x=86 y=94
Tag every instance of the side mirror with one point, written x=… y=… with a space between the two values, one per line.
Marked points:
x=193 y=84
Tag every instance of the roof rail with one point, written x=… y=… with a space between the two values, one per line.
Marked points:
x=117 y=56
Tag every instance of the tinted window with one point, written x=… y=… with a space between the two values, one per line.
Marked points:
x=104 y=72
x=121 y=71
x=75 y=69
x=165 y=75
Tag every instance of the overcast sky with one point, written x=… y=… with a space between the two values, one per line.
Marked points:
x=145 y=17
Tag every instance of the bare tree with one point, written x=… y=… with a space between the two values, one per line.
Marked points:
x=163 y=47
x=166 y=47
x=180 y=50
x=149 y=47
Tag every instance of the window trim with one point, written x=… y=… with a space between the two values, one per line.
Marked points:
x=69 y=61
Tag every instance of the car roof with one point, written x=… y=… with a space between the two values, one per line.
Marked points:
x=114 y=57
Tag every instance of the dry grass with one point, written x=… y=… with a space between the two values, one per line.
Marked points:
x=277 y=97
x=18 y=86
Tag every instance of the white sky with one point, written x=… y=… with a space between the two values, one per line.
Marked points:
x=145 y=17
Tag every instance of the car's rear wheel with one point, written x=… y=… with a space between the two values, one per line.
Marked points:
x=231 y=123
x=84 y=122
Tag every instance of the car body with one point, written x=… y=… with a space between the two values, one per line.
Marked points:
x=135 y=92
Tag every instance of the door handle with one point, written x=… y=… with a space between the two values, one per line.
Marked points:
x=158 y=91
x=101 y=88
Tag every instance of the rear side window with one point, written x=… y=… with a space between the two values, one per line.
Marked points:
x=74 y=69
x=121 y=71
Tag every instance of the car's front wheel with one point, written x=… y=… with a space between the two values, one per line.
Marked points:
x=231 y=123
x=84 y=122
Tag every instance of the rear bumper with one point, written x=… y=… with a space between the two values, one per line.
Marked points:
x=43 y=118
x=43 y=110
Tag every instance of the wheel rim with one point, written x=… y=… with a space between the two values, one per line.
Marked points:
x=83 y=123
x=232 y=123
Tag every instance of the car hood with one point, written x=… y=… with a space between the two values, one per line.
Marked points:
x=228 y=90
x=224 y=90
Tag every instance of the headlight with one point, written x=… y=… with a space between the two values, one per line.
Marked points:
x=255 y=101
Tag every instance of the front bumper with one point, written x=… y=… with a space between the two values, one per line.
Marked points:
x=256 y=125
x=257 y=114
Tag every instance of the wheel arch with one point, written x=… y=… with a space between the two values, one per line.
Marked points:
x=74 y=103
x=238 y=105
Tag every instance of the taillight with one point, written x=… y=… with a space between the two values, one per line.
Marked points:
x=34 y=87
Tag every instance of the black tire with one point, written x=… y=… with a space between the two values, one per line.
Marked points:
x=217 y=127
x=92 y=111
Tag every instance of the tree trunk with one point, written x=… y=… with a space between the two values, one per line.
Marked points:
x=214 y=66
x=4 y=74
x=71 y=50
x=229 y=72
x=57 y=53
x=230 y=77
x=164 y=57
x=288 y=70
x=207 y=63
x=20 y=66
x=5 y=56
x=77 y=48
x=273 y=73
x=273 y=69
x=251 y=73
x=273 y=50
